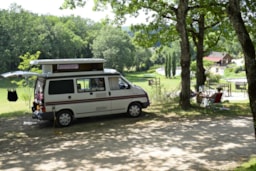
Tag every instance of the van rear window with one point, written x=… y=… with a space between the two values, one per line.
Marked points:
x=61 y=87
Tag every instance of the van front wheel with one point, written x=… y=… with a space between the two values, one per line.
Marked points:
x=134 y=110
x=64 y=118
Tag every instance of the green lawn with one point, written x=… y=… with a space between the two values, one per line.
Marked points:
x=13 y=108
x=8 y=107
x=165 y=86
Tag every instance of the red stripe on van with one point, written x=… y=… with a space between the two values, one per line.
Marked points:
x=93 y=100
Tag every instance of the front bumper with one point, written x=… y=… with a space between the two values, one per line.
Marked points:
x=146 y=104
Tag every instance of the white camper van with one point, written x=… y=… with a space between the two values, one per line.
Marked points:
x=76 y=88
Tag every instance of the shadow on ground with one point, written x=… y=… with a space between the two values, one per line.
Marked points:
x=151 y=142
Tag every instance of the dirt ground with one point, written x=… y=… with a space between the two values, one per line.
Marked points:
x=115 y=143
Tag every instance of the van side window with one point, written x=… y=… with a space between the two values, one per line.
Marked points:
x=61 y=87
x=90 y=84
x=97 y=84
x=83 y=85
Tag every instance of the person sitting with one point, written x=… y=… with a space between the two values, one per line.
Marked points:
x=216 y=96
x=199 y=97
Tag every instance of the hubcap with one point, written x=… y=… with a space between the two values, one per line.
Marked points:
x=65 y=119
x=134 y=110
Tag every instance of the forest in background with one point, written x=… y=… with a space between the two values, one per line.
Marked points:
x=55 y=37
x=23 y=32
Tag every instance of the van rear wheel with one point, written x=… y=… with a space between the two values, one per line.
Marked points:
x=64 y=118
x=134 y=110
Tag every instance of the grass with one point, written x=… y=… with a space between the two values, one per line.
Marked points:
x=166 y=86
x=172 y=107
x=248 y=166
x=9 y=109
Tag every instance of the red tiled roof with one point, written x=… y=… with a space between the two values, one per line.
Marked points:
x=214 y=59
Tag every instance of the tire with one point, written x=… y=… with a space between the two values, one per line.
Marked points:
x=64 y=118
x=134 y=110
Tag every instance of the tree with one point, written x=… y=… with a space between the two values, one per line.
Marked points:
x=55 y=37
x=115 y=46
x=234 y=12
x=161 y=29
x=174 y=61
x=170 y=55
x=4 y=41
x=206 y=27
x=27 y=83
x=24 y=65
x=168 y=65
x=181 y=14
x=66 y=37
x=18 y=35
x=198 y=38
x=84 y=32
x=142 y=60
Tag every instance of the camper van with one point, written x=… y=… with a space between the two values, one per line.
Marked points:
x=77 y=88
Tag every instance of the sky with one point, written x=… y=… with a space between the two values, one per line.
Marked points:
x=52 y=7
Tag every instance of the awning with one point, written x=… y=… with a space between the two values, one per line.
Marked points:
x=19 y=74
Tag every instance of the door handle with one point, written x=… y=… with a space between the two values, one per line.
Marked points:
x=69 y=97
x=109 y=93
x=91 y=93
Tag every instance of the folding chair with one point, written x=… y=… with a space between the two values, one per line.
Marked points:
x=213 y=102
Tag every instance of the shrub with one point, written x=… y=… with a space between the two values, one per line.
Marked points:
x=214 y=78
x=239 y=69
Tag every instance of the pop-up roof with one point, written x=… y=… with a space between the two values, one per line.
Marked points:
x=50 y=66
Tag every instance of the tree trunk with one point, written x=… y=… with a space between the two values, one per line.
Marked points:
x=200 y=72
x=181 y=14
x=248 y=50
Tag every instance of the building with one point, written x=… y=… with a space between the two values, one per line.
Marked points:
x=220 y=58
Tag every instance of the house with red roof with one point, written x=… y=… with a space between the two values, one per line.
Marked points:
x=220 y=58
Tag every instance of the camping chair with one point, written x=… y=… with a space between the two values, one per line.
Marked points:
x=213 y=102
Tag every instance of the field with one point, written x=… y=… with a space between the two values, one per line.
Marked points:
x=21 y=106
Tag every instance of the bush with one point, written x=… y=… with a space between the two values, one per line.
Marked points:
x=239 y=69
x=214 y=78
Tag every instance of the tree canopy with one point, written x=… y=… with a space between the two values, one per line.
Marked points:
x=115 y=46
x=62 y=37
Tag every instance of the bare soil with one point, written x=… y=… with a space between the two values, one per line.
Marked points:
x=115 y=143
